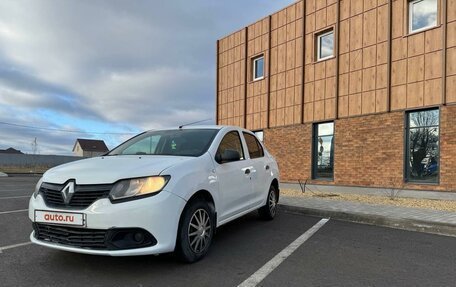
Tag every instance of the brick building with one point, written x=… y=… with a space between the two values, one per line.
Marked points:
x=349 y=92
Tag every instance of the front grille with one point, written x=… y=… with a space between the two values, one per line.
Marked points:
x=97 y=239
x=71 y=236
x=84 y=195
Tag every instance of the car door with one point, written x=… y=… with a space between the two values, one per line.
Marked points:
x=261 y=170
x=234 y=177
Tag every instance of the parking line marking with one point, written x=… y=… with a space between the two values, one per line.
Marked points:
x=13 y=211
x=14 y=197
x=14 y=246
x=272 y=264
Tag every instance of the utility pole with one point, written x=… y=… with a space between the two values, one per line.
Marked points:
x=34 y=146
x=34 y=151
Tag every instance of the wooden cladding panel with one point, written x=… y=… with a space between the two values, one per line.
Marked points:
x=231 y=97
x=432 y=92
x=416 y=74
x=451 y=53
x=319 y=76
x=433 y=40
x=451 y=89
x=417 y=65
x=363 y=57
x=286 y=66
x=451 y=10
x=370 y=28
x=451 y=34
x=257 y=91
x=398 y=18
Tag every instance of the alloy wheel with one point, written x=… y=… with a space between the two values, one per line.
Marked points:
x=272 y=202
x=199 y=230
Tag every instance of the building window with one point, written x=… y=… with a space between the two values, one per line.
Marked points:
x=422 y=146
x=323 y=151
x=325 y=45
x=258 y=68
x=422 y=15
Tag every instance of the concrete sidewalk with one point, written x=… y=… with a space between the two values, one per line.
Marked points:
x=414 y=219
x=422 y=194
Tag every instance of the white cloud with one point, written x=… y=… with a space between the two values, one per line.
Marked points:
x=142 y=64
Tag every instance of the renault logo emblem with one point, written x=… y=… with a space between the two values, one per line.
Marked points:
x=67 y=192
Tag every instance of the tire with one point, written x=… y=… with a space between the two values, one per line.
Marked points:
x=269 y=210
x=194 y=238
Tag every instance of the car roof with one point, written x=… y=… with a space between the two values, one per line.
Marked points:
x=199 y=127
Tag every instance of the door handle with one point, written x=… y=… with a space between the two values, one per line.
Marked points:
x=267 y=167
x=247 y=171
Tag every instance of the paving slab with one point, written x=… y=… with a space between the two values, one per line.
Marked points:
x=415 y=219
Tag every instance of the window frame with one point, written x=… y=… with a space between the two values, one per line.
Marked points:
x=314 y=159
x=257 y=142
x=410 y=17
x=318 y=37
x=406 y=177
x=254 y=61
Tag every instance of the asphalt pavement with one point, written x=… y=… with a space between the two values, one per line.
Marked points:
x=338 y=254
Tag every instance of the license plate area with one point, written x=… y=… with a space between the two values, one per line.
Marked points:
x=60 y=218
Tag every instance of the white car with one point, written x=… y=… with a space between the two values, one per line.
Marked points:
x=158 y=192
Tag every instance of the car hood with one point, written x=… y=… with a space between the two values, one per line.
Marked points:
x=109 y=169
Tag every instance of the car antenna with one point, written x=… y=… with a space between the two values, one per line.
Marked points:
x=197 y=122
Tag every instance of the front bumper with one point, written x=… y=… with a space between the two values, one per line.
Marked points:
x=159 y=215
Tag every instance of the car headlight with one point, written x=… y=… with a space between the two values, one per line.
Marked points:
x=138 y=187
x=37 y=188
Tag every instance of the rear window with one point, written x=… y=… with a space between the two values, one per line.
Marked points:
x=255 y=148
x=180 y=142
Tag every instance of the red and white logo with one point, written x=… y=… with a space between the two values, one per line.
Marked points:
x=65 y=218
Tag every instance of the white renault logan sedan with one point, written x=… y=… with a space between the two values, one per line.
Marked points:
x=161 y=191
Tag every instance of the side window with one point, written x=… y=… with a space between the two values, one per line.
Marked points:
x=255 y=148
x=231 y=141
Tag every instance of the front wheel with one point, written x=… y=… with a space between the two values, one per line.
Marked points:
x=269 y=210
x=196 y=231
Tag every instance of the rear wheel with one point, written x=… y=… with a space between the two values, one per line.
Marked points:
x=269 y=210
x=196 y=231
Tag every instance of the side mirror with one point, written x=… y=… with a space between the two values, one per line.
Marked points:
x=228 y=155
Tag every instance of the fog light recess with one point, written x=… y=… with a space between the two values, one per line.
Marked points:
x=123 y=238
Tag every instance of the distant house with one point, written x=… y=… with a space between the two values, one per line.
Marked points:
x=89 y=148
x=10 y=151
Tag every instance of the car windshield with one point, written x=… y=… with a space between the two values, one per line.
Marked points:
x=180 y=142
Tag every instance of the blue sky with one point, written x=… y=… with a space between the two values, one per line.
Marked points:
x=110 y=66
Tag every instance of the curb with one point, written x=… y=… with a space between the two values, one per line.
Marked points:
x=397 y=223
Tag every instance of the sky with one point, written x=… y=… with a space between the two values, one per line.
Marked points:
x=110 y=69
